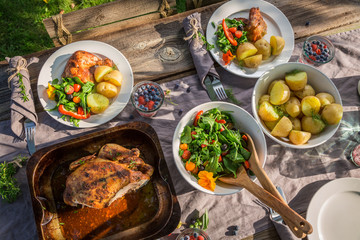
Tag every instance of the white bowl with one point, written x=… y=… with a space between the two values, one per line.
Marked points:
x=243 y=121
x=318 y=80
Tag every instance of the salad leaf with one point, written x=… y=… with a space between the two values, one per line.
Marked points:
x=186 y=135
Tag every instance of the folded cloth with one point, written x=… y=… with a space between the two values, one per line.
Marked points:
x=22 y=100
x=202 y=60
x=283 y=231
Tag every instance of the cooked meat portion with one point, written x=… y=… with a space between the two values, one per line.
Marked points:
x=97 y=182
x=256 y=27
x=113 y=151
x=79 y=65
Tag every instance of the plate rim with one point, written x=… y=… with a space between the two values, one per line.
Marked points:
x=84 y=45
x=279 y=15
x=325 y=192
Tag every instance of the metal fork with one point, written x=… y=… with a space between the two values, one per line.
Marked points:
x=218 y=88
x=30 y=135
x=274 y=215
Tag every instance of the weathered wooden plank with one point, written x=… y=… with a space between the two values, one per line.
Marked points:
x=105 y=14
x=144 y=45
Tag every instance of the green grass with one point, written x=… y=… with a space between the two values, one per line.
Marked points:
x=21 y=28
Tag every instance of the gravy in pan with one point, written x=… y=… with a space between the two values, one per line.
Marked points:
x=89 y=223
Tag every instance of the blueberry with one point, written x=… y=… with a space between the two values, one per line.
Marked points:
x=157 y=92
x=186 y=237
x=136 y=103
x=236 y=227
x=147 y=99
x=143 y=87
x=188 y=90
x=180 y=111
x=224 y=146
x=136 y=94
x=139 y=90
x=196 y=234
x=152 y=93
x=313 y=42
x=148 y=86
x=317 y=58
x=142 y=107
x=136 y=98
x=193 y=221
x=151 y=97
x=201 y=168
x=146 y=91
x=146 y=109
x=176 y=86
x=307 y=23
x=317 y=42
x=131 y=117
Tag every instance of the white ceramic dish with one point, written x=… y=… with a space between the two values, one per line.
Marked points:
x=319 y=81
x=277 y=25
x=55 y=65
x=244 y=122
x=334 y=211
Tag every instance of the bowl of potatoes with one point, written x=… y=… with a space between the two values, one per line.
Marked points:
x=297 y=105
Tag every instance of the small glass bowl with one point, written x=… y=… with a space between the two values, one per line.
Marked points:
x=153 y=96
x=309 y=54
x=190 y=232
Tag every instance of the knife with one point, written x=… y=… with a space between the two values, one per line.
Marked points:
x=210 y=89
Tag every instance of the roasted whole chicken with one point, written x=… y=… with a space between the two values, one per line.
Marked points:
x=256 y=25
x=80 y=65
x=96 y=182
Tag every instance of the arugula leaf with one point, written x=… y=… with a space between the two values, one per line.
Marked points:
x=88 y=87
x=230 y=165
x=186 y=135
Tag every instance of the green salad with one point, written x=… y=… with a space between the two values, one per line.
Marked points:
x=213 y=145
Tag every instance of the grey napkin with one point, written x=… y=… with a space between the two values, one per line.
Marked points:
x=20 y=109
x=202 y=60
x=283 y=231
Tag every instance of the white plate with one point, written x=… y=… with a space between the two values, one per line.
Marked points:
x=55 y=65
x=277 y=25
x=334 y=211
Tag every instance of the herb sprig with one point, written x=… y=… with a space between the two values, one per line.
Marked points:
x=9 y=188
x=22 y=87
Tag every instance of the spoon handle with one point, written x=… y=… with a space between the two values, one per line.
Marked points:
x=267 y=184
x=284 y=210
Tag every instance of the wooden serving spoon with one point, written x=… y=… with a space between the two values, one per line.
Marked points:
x=243 y=180
x=256 y=168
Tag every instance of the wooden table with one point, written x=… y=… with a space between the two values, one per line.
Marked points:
x=145 y=40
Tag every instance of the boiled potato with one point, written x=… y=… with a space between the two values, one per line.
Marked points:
x=263 y=98
x=100 y=72
x=97 y=102
x=279 y=94
x=296 y=80
x=310 y=105
x=277 y=44
x=306 y=91
x=296 y=123
x=292 y=107
x=253 y=61
x=312 y=125
x=332 y=113
x=263 y=48
x=270 y=125
x=267 y=112
x=282 y=128
x=245 y=50
x=115 y=77
x=325 y=99
x=299 y=137
x=273 y=83
x=107 y=89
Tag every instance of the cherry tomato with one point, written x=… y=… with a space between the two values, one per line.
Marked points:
x=77 y=87
x=233 y=29
x=220 y=121
x=69 y=89
x=247 y=164
x=76 y=99
x=238 y=34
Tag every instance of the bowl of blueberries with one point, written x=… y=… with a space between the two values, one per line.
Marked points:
x=147 y=98
x=193 y=234
x=317 y=50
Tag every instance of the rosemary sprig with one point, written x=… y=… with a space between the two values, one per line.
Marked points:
x=9 y=188
x=22 y=87
x=231 y=96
